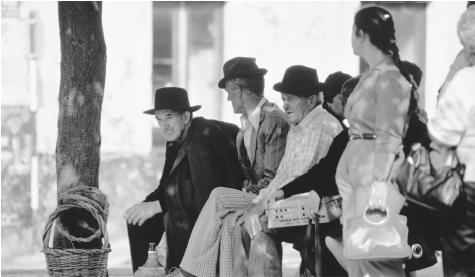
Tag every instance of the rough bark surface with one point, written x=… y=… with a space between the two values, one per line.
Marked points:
x=83 y=68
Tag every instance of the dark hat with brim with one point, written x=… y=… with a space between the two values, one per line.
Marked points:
x=240 y=67
x=299 y=80
x=172 y=98
x=333 y=84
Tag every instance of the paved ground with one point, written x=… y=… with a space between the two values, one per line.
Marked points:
x=119 y=263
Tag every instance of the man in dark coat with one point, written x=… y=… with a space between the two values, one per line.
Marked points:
x=200 y=155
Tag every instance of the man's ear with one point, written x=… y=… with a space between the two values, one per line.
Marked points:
x=187 y=116
x=313 y=100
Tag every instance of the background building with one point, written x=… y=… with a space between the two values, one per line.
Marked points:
x=154 y=44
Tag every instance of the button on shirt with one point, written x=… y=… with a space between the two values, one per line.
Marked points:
x=249 y=123
x=307 y=143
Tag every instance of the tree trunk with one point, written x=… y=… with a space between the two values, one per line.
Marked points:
x=83 y=70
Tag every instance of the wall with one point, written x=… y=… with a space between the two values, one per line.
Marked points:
x=128 y=35
x=442 y=45
x=281 y=34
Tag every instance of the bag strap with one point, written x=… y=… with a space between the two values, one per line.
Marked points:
x=318 y=250
x=316 y=245
x=306 y=250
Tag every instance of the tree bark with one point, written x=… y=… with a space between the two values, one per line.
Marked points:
x=83 y=70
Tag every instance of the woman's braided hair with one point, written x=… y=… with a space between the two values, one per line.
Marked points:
x=379 y=25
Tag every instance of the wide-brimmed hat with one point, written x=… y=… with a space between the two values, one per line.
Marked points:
x=299 y=80
x=333 y=84
x=172 y=98
x=240 y=67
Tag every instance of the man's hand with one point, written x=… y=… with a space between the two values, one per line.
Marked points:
x=139 y=213
x=250 y=187
x=252 y=224
x=276 y=195
x=239 y=215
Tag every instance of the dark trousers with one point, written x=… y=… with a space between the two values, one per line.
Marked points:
x=262 y=256
x=458 y=241
x=140 y=237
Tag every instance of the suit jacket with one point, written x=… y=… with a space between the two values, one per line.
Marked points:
x=207 y=158
x=266 y=150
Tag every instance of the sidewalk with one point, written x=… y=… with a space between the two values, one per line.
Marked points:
x=119 y=263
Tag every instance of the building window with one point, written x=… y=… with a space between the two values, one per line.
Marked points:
x=11 y=9
x=187 y=52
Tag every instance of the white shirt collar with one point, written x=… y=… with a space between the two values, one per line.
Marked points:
x=255 y=116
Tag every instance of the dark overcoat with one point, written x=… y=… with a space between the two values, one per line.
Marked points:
x=207 y=158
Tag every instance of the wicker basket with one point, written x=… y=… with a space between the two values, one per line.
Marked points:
x=78 y=262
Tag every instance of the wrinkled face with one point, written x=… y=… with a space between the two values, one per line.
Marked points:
x=172 y=123
x=297 y=107
x=469 y=51
x=337 y=105
x=234 y=92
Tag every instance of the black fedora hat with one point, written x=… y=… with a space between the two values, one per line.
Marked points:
x=240 y=67
x=299 y=80
x=333 y=84
x=172 y=98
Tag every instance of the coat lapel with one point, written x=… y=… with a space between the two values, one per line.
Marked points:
x=252 y=154
x=254 y=133
x=183 y=149
x=239 y=142
x=179 y=157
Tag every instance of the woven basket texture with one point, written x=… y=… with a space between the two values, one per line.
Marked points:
x=78 y=262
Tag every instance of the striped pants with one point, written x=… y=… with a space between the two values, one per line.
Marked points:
x=210 y=249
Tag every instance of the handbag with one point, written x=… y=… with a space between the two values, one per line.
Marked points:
x=418 y=182
x=376 y=235
x=423 y=230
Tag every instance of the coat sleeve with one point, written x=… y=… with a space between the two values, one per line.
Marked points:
x=158 y=194
x=391 y=103
x=274 y=137
x=213 y=163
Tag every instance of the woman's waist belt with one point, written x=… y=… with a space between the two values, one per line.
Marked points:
x=368 y=136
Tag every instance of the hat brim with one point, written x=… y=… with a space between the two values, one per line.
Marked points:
x=280 y=88
x=257 y=72
x=190 y=109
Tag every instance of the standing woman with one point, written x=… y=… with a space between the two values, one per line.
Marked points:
x=378 y=113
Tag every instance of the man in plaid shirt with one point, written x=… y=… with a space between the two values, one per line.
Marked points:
x=311 y=133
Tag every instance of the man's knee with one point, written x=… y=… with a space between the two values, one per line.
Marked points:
x=219 y=196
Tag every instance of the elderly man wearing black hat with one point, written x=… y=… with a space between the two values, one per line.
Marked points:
x=261 y=145
x=258 y=252
x=200 y=155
